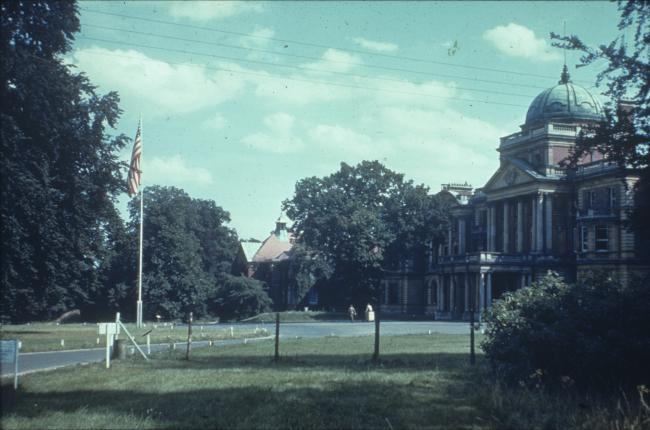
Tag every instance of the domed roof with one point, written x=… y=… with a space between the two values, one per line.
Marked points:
x=564 y=101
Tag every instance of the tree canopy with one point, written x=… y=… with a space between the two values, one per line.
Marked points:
x=624 y=137
x=187 y=251
x=60 y=170
x=361 y=219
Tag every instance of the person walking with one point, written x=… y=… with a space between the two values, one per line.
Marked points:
x=370 y=313
x=352 y=312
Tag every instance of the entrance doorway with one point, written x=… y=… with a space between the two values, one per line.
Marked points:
x=504 y=282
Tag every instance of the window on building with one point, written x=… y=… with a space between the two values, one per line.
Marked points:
x=602 y=238
x=584 y=238
x=612 y=197
x=312 y=297
x=393 y=293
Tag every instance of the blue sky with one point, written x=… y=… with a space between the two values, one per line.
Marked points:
x=241 y=100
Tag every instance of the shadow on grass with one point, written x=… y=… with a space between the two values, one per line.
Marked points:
x=406 y=400
x=449 y=362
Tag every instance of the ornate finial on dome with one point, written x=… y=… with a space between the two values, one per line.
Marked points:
x=564 y=78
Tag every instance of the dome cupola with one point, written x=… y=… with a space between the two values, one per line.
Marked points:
x=565 y=102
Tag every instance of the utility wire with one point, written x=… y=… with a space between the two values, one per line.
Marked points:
x=223 y=57
x=316 y=45
x=225 y=45
x=272 y=76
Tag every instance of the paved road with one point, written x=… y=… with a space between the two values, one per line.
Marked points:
x=37 y=361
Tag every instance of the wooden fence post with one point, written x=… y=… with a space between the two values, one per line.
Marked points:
x=277 y=337
x=189 y=336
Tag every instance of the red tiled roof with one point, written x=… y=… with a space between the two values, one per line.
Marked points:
x=273 y=249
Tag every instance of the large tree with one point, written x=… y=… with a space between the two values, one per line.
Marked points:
x=624 y=137
x=188 y=252
x=362 y=219
x=60 y=171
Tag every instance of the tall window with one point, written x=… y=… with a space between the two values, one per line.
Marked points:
x=584 y=238
x=602 y=238
x=393 y=293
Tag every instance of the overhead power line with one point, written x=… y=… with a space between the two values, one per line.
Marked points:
x=313 y=69
x=317 y=45
x=225 y=45
x=336 y=84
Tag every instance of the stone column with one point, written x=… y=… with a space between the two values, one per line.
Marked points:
x=449 y=237
x=520 y=227
x=461 y=236
x=451 y=293
x=491 y=228
x=386 y=288
x=466 y=291
x=481 y=293
x=523 y=280
x=440 y=292
x=506 y=224
x=533 y=230
x=539 y=222
x=548 y=203
x=488 y=293
x=405 y=294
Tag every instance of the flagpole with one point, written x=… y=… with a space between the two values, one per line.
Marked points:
x=139 y=303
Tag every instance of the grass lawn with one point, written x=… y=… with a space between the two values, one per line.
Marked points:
x=327 y=383
x=47 y=336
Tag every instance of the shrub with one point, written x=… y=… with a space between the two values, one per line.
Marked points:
x=596 y=332
x=240 y=297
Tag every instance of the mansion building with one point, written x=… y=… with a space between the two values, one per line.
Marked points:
x=532 y=216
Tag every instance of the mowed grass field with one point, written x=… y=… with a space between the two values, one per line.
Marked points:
x=422 y=382
x=47 y=336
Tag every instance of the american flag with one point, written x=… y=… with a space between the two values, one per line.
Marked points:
x=134 y=169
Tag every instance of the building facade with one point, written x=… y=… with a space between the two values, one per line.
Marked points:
x=269 y=262
x=532 y=216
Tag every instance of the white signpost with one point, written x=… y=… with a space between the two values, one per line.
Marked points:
x=110 y=330
x=113 y=329
x=8 y=355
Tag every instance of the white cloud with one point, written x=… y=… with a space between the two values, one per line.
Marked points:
x=258 y=37
x=376 y=46
x=155 y=87
x=207 y=10
x=335 y=60
x=299 y=91
x=518 y=41
x=341 y=140
x=173 y=171
x=279 y=136
x=216 y=122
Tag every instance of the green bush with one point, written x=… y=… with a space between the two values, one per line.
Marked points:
x=240 y=297
x=596 y=333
